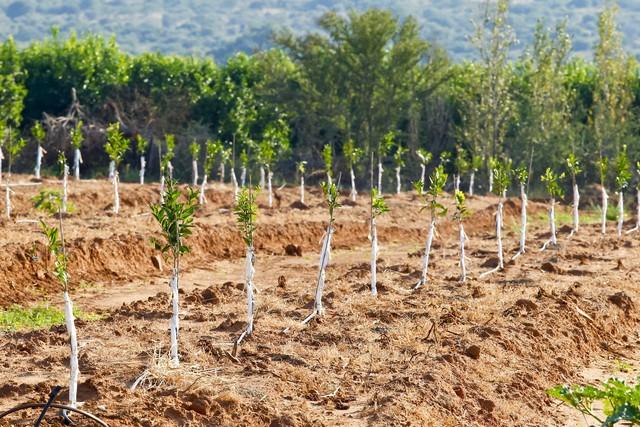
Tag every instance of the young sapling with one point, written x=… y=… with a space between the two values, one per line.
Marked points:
x=141 y=148
x=623 y=176
x=331 y=195
x=211 y=151
x=302 y=168
x=246 y=210
x=327 y=156
x=552 y=185
x=388 y=141
x=76 y=141
x=274 y=144
x=165 y=163
x=501 y=180
x=461 y=166
x=398 y=161
x=352 y=155
x=522 y=176
x=194 y=149
x=56 y=248
x=14 y=147
x=175 y=218
x=573 y=165
x=492 y=165
x=244 y=164
x=460 y=214
x=425 y=157
x=378 y=207
x=437 y=181
x=39 y=135
x=115 y=147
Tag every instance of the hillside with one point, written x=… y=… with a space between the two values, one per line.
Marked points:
x=218 y=28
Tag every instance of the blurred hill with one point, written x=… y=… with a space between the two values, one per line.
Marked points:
x=219 y=28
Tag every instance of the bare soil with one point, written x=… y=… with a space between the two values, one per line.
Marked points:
x=479 y=353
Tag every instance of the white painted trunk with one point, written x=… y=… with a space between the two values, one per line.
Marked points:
x=463 y=266
x=116 y=193
x=234 y=181
x=354 y=192
x=162 y=179
x=174 y=323
x=1 y=159
x=638 y=207
x=374 y=257
x=73 y=354
x=249 y=272
x=269 y=189
x=243 y=176
x=380 y=170
x=143 y=165
x=65 y=187
x=499 y=234
x=490 y=180
x=471 y=182
x=77 y=160
x=325 y=254
x=605 y=206
x=456 y=182
x=552 y=221
x=523 y=218
x=398 y=181
x=329 y=180
x=112 y=169
x=203 y=187
x=302 y=189
x=38 y=161
x=262 y=177
x=423 y=171
x=620 y=212
x=576 y=207
x=427 y=252
x=222 y=172
x=194 y=172
x=170 y=169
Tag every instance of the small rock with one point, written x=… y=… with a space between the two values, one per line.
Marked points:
x=487 y=405
x=293 y=250
x=282 y=282
x=156 y=260
x=622 y=300
x=459 y=391
x=473 y=352
x=550 y=267
x=209 y=296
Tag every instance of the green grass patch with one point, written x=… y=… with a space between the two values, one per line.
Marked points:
x=40 y=316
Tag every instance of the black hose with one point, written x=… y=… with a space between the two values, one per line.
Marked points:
x=45 y=408
x=57 y=406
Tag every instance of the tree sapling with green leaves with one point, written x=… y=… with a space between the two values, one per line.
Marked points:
x=398 y=161
x=492 y=163
x=573 y=165
x=331 y=195
x=327 y=156
x=141 y=148
x=460 y=214
x=56 y=249
x=39 y=135
x=522 y=176
x=115 y=147
x=501 y=180
x=175 y=218
x=425 y=158
x=14 y=147
x=437 y=181
x=623 y=177
x=378 y=207
x=603 y=165
x=211 y=151
x=275 y=143
x=301 y=166
x=352 y=155
x=194 y=149
x=476 y=164
x=244 y=165
x=76 y=141
x=246 y=210
x=552 y=185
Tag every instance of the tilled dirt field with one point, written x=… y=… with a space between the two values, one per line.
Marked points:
x=450 y=354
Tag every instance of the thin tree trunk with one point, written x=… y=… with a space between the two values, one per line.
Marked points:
x=354 y=192
x=552 y=222
x=380 y=170
x=398 y=181
x=620 y=212
x=262 y=176
x=243 y=176
x=234 y=181
x=174 y=324
x=302 y=189
x=7 y=201
x=456 y=182
x=471 y=182
x=162 y=180
x=38 y=161
x=194 y=172
x=425 y=257
x=203 y=187
x=270 y=192
x=143 y=165
x=249 y=272
x=325 y=254
x=605 y=203
x=463 y=266
x=490 y=180
x=65 y=187
x=423 y=170
x=222 y=172
x=499 y=234
x=116 y=193
x=374 y=257
x=575 y=209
